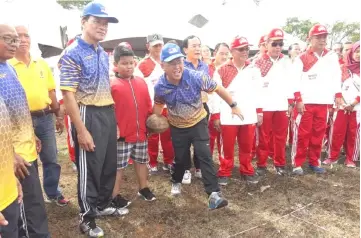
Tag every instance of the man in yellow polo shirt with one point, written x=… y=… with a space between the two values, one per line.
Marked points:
x=16 y=125
x=37 y=80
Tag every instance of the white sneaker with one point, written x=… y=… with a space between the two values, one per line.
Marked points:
x=112 y=211
x=167 y=167
x=176 y=189
x=198 y=173
x=187 y=177
x=153 y=169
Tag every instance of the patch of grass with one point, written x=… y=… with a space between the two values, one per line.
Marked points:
x=333 y=207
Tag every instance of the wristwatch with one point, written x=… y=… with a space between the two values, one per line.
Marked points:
x=234 y=104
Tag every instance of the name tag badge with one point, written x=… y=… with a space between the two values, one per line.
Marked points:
x=312 y=76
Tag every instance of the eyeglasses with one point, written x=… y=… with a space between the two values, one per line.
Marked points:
x=9 y=40
x=275 y=44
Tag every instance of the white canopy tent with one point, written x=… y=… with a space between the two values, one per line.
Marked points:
x=225 y=21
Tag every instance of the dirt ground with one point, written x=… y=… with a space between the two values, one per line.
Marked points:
x=309 y=206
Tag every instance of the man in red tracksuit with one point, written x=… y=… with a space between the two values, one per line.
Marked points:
x=243 y=82
x=277 y=97
x=344 y=127
x=152 y=70
x=221 y=53
x=317 y=85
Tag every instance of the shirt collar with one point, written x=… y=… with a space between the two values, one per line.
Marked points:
x=84 y=44
x=201 y=64
x=15 y=61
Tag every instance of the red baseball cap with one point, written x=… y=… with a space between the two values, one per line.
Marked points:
x=239 y=42
x=262 y=40
x=276 y=34
x=125 y=44
x=317 y=29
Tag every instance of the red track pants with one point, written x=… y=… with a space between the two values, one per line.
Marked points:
x=69 y=138
x=342 y=132
x=256 y=142
x=277 y=122
x=308 y=133
x=244 y=135
x=167 y=147
x=214 y=135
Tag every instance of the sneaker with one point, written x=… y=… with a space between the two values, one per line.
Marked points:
x=74 y=168
x=223 y=181
x=146 y=194
x=61 y=201
x=113 y=211
x=261 y=171
x=216 y=200
x=120 y=202
x=167 y=167
x=91 y=229
x=297 y=171
x=281 y=171
x=317 y=169
x=350 y=164
x=176 y=189
x=153 y=170
x=329 y=162
x=251 y=179
x=187 y=177
x=198 y=173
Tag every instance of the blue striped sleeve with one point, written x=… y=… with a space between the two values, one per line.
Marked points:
x=70 y=73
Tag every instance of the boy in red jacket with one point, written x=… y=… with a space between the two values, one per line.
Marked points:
x=132 y=108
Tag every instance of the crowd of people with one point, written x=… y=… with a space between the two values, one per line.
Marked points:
x=306 y=100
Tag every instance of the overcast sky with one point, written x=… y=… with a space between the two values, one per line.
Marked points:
x=170 y=17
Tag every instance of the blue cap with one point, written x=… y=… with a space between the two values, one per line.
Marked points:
x=170 y=52
x=96 y=9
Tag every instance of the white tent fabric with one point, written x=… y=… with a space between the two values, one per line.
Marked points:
x=225 y=21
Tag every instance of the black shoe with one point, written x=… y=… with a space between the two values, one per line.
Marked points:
x=146 y=194
x=281 y=171
x=120 y=202
x=261 y=171
x=251 y=179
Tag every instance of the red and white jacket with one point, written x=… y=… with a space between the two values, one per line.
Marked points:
x=350 y=88
x=277 y=91
x=152 y=71
x=317 y=79
x=132 y=108
x=245 y=87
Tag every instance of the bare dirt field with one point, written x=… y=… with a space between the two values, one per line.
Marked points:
x=309 y=206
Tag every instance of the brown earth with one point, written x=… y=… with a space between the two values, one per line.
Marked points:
x=309 y=206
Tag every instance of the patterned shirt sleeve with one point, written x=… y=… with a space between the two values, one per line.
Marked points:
x=158 y=99
x=70 y=73
x=207 y=84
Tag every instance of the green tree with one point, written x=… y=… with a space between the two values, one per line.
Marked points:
x=298 y=28
x=340 y=31
x=72 y=4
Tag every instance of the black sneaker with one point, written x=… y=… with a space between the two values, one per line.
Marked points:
x=251 y=179
x=91 y=229
x=261 y=171
x=146 y=194
x=120 y=202
x=281 y=171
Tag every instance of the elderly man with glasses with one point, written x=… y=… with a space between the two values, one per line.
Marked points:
x=277 y=103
